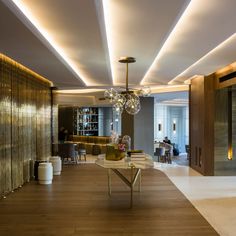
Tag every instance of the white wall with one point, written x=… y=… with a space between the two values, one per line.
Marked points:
x=166 y=115
x=160 y=116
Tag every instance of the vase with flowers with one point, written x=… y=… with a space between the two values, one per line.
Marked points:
x=115 y=152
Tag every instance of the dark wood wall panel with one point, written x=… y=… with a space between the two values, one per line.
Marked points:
x=66 y=118
x=196 y=124
x=25 y=122
x=221 y=132
x=202 y=124
x=209 y=118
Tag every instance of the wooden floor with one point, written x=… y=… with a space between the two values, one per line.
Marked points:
x=77 y=203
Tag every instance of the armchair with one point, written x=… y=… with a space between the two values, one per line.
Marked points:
x=68 y=151
x=168 y=151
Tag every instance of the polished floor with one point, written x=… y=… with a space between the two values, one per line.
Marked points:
x=77 y=203
x=213 y=196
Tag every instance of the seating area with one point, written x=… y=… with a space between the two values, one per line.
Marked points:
x=68 y=152
x=92 y=144
x=117 y=118
x=163 y=152
x=187 y=149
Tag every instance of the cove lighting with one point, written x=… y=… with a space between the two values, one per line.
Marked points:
x=78 y=91
x=230 y=153
x=59 y=48
x=214 y=50
x=182 y=22
x=168 y=88
x=108 y=27
x=29 y=71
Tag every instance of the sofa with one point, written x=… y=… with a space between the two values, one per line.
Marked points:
x=92 y=144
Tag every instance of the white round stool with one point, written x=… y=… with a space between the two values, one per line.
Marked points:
x=56 y=164
x=45 y=173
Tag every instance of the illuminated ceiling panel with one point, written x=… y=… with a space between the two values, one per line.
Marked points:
x=20 y=44
x=169 y=39
x=203 y=26
x=138 y=28
x=217 y=58
x=73 y=30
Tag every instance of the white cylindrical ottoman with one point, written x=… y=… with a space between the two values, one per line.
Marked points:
x=45 y=173
x=56 y=164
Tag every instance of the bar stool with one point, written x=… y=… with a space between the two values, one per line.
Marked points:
x=96 y=149
x=168 y=156
x=82 y=152
x=160 y=153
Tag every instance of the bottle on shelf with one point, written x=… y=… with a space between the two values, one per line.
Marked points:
x=86 y=121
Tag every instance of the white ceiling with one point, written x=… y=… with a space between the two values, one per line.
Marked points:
x=77 y=43
x=172 y=98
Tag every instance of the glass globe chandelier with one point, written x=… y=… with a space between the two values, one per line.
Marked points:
x=129 y=99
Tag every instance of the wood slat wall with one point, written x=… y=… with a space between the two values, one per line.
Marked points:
x=25 y=122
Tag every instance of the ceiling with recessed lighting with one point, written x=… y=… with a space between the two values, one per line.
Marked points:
x=77 y=43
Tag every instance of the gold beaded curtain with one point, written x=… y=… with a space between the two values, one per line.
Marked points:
x=25 y=119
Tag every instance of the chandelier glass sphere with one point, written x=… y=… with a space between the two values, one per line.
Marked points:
x=111 y=94
x=128 y=99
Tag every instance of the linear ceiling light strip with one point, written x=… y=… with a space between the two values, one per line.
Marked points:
x=107 y=19
x=232 y=37
x=167 y=43
x=23 y=8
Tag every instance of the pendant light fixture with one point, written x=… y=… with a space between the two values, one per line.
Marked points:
x=129 y=98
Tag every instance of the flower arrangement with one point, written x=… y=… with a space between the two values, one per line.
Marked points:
x=121 y=147
x=114 y=137
x=115 y=151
